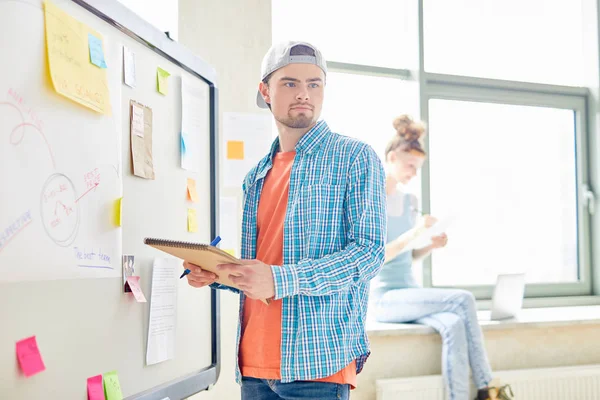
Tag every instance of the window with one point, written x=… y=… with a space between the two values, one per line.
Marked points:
x=534 y=40
x=379 y=33
x=502 y=88
x=363 y=107
x=507 y=176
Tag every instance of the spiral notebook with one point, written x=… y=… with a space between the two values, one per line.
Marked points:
x=204 y=255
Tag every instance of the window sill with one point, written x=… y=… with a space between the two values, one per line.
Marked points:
x=529 y=317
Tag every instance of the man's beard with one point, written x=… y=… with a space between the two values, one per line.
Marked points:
x=299 y=122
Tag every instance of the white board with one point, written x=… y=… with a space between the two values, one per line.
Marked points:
x=86 y=327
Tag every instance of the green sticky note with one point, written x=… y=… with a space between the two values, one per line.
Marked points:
x=162 y=80
x=112 y=387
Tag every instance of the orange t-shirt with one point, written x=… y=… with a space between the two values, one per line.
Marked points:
x=260 y=346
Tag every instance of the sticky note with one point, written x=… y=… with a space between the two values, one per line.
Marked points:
x=182 y=144
x=192 y=223
x=112 y=387
x=117 y=212
x=235 y=150
x=96 y=51
x=95 y=388
x=70 y=49
x=134 y=285
x=162 y=80
x=29 y=356
x=230 y=251
x=191 y=188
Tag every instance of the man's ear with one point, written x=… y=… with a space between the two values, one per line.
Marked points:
x=263 y=88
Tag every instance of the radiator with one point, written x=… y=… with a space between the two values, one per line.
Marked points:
x=565 y=383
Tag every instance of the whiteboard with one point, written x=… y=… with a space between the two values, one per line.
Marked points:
x=63 y=168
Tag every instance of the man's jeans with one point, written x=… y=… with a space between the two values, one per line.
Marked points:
x=272 y=389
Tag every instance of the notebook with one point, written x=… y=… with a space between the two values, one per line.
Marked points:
x=204 y=255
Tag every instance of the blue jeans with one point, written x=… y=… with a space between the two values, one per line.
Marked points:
x=453 y=314
x=272 y=389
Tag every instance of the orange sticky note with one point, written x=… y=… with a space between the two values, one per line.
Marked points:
x=136 y=290
x=95 y=388
x=29 y=356
x=191 y=188
x=192 y=223
x=235 y=150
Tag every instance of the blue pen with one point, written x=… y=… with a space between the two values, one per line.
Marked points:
x=213 y=243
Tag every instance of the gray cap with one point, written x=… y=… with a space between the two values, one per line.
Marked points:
x=284 y=53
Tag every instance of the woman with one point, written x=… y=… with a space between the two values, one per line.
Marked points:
x=397 y=296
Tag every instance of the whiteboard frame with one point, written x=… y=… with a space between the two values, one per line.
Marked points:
x=123 y=19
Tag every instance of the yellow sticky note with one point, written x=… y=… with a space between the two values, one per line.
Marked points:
x=118 y=210
x=192 y=222
x=235 y=150
x=191 y=189
x=230 y=251
x=112 y=387
x=162 y=80
x=71 y=72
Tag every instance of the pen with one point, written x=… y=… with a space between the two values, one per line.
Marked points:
x=213 y=243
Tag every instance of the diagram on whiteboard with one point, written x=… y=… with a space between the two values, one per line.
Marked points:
x=59 y=180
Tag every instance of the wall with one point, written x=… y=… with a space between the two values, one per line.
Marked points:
x=233 y=37
x=517 y=348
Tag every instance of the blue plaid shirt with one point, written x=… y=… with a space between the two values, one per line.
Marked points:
x=334 y=238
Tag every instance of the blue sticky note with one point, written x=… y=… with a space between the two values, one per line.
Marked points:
x=96 y=52
x=182 y=143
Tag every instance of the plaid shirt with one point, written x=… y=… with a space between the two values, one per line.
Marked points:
x=334 y=238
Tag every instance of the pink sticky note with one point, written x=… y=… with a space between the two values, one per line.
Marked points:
x=95 y=388
x=134 y=285
x=29 y=356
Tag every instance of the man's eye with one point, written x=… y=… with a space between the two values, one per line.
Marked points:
x=314 y=85
x=290 y=84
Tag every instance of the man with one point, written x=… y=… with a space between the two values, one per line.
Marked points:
x=313 y=236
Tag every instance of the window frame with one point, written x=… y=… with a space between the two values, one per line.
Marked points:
x=449 y=87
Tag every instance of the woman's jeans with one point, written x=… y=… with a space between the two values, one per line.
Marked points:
x=452 y=313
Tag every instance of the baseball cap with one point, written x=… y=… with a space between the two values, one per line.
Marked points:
x=284 y=53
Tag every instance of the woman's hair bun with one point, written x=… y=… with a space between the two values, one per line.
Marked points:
x=408 y=129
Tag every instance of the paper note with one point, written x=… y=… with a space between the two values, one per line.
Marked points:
x=194 y=124
x=69 y=52
x=163 y=310
x=128 y=270
x=137 y=120
x=162 y=80
x=141 y=147
x=228 y=223
x=192 y=221
x=112 y=387
x=246 y=139
x=134 y=285
x=29 y=356
x=424 y=238
x=129 y=67
x=191 y=189
x=96 y=51
x=95 y=388
x=230 y=251
x=118 y=211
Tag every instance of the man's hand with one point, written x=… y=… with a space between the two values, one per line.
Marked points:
x=198 y=277
x=253 y=277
